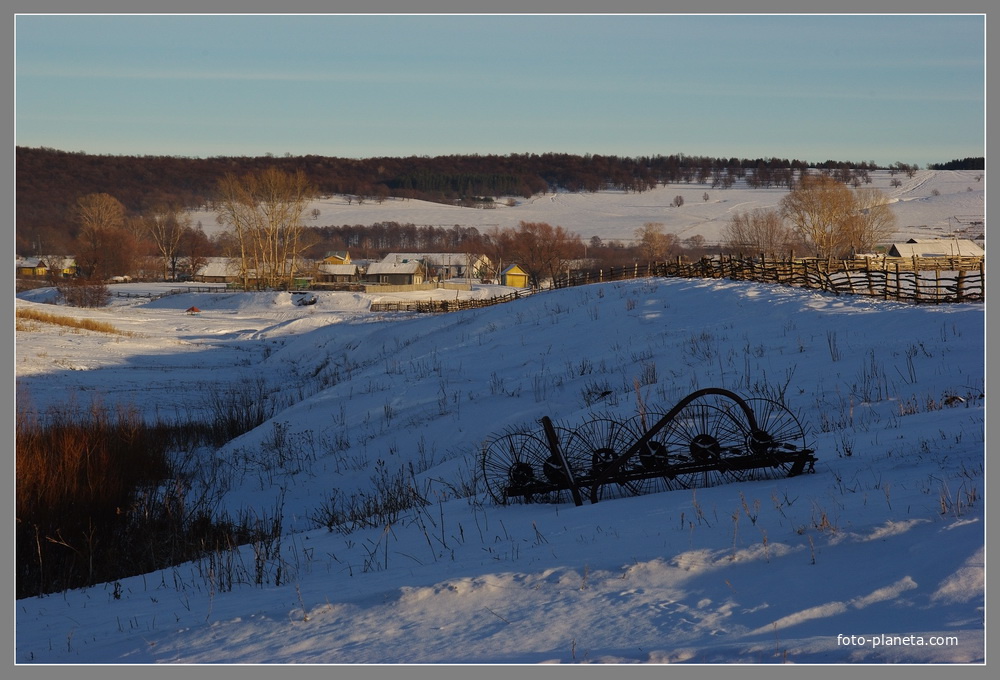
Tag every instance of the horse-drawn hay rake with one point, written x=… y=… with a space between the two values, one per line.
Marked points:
x=712 y=436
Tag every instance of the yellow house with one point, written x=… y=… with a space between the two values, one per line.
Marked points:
x=337 y=257
x=515 y=277
x=60 y=267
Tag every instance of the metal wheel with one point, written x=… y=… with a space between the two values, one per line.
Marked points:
x=778 y=432
x=593 y=447
x=652 y=462
x=699 y=439
x=513 y=468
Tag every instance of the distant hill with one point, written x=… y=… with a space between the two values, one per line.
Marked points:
x=50 y=181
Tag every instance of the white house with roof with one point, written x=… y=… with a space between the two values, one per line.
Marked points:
x=337 y=273
x=404 y=272
x=936 y=247
x=447 y=265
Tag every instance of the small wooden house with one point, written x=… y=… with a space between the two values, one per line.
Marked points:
x=337 y=273
x=514 y=276
x=218 y=270
x=337 y=257
x=396 y=273
x=936 y=247
x=31 y=266
x=447 y=265
x=55 y=266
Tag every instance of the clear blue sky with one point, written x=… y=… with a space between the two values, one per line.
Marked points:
x=814 y=87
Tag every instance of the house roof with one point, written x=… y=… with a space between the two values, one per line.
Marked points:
x=515 y=269
x=410 y=267
x=48 y=261
x=337 y=269
x=937 y=247
x=219 y=266
x=436 y=259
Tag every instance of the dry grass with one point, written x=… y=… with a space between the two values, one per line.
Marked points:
x=102 y=495
x=25 y=317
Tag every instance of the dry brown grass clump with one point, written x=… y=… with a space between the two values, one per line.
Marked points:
x=25 y=316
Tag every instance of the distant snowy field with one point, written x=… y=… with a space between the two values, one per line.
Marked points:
x=878 y=557
x=616 y=214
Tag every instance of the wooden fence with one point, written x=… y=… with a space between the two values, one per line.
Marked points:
x=933 y=280
x=172 y=291
x=444 y=305
x=917 y=280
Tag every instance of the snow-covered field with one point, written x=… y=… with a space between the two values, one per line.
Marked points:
x=878 y=557
x=925 y=205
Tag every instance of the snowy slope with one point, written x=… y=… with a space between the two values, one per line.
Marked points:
x=885 y=539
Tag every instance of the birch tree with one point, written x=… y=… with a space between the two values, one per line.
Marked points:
x=263 y=210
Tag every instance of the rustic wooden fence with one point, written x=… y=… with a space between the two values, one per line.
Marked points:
x=917 y=280
x=444 y=305
x=933 y=280
x=172 y=291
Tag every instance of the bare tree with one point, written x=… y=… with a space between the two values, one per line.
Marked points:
x=757 y=231
x=264 y=210
x=872 y=221
x=165 y=226
x=818 y=211
x=102 y=236
x=653 y=242
x=542 y=249
x=836 y=221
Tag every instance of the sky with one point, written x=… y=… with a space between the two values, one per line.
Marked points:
x=883 y=88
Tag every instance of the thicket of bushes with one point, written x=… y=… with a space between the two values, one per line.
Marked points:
x=102 y=495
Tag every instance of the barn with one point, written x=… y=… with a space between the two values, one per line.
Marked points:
x=514 y=276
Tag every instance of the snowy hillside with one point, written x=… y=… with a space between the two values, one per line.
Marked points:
x=885 y=542
x=925 y=205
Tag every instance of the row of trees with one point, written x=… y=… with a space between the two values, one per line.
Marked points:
x=820 y=217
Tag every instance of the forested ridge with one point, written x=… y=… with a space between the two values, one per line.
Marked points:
x=49 y=182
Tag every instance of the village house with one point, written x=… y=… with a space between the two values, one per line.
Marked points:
x=41 y=267
x=337 y=257
x=227 y=270
x=337 y=273
x=218 y=270
x=514 y=276
x=442 y=266
x=403 y=273
x=936 y=247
